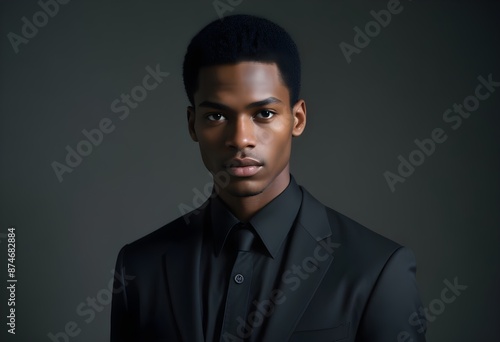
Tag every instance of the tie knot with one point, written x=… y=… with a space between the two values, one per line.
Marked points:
x=243 y=237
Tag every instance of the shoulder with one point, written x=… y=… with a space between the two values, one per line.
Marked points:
x=366 y=254
x=358 y=236
x=361 y=250
x=344 y=229
x=176 y=231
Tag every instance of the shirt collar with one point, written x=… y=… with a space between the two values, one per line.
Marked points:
x=272 y=223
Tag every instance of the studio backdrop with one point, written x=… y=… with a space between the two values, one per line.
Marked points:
x=402 y=136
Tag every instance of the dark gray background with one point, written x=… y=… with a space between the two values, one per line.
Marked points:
x=361 y=116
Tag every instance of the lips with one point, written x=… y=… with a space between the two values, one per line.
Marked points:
x=243 y=167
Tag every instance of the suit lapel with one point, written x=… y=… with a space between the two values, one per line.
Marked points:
x=311 y=245
x=182 y=264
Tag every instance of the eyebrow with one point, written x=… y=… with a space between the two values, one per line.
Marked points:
x=221 y=106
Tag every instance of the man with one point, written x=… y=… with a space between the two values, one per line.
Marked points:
x=261 y=259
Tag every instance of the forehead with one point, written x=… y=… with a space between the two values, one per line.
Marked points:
x=244 y=80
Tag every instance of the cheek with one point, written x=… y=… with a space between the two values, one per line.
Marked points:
x=207 y=146
x=265 y=137
x=208 y=157
x=277 y=144
x=276 y=134
x=208 y=139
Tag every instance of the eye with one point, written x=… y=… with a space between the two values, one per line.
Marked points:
x=265 y=114
x=215 y=117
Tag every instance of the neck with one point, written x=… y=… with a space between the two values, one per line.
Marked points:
x=243 y=208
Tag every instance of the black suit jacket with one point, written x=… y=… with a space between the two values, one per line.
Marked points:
x=355 y=285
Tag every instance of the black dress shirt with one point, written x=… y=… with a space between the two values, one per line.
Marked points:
x=272 y=227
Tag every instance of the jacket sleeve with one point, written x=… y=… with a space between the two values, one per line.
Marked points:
x=394 y=310
x=122 y=328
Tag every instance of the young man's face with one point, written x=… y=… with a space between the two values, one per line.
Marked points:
x=244 y=125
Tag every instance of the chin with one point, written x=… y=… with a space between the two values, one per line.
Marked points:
x=243 y=188
x=243 y=193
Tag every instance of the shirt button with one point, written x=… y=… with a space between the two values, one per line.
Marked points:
x=239 y=278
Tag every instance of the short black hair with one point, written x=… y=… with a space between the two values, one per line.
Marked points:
x=239 y=38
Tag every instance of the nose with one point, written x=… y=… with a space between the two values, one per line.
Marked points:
x=241 y=133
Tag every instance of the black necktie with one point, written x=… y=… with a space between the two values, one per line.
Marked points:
x=234 y=326
x=243 y=237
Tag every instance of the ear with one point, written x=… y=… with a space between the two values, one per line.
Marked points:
x=299 y=117
x=191 y=118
